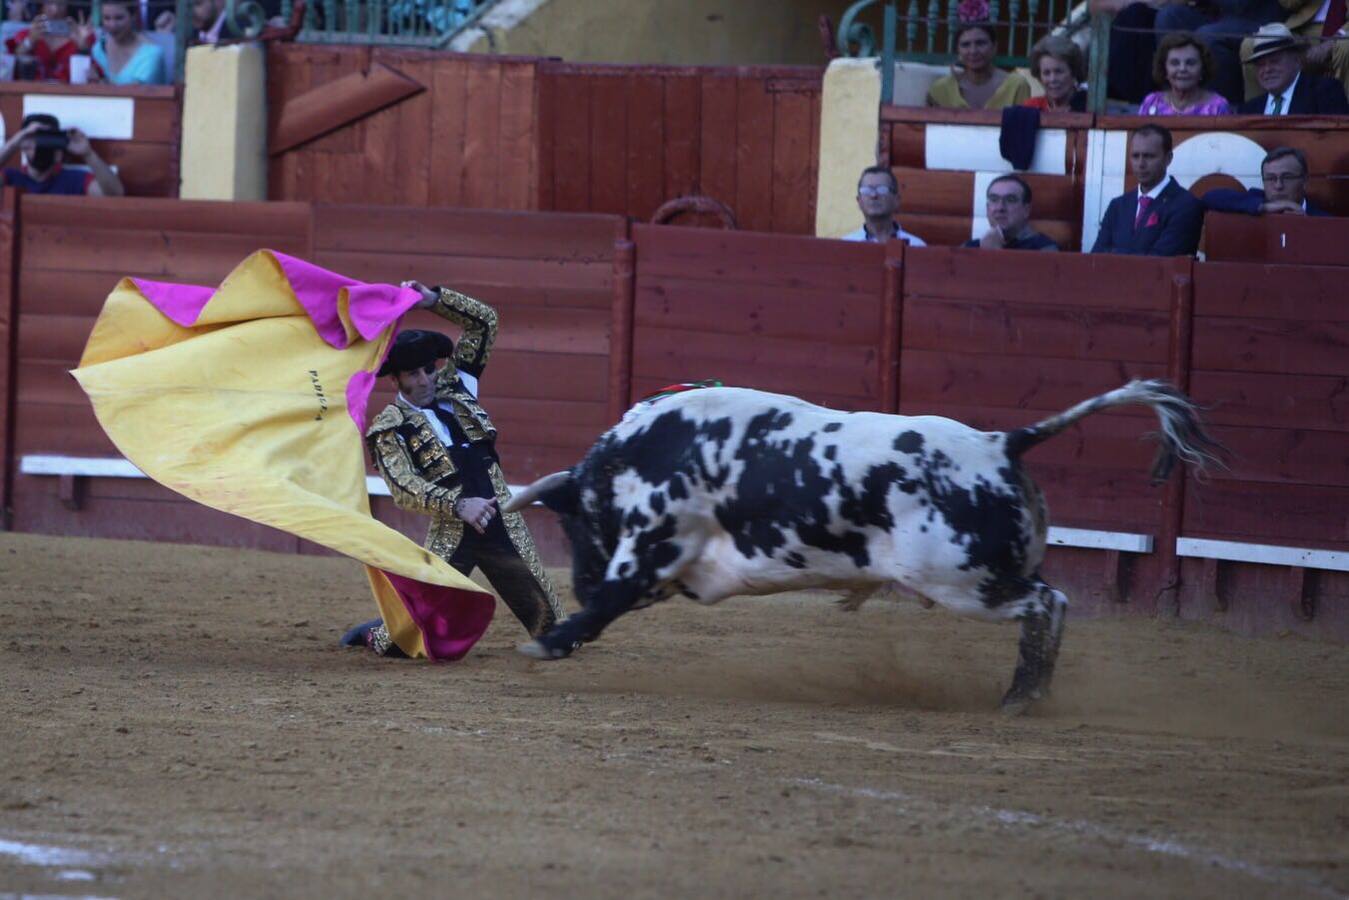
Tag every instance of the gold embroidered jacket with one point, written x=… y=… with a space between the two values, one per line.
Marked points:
x=417 y=466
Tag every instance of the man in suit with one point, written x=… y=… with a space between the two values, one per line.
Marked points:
x=1321 y=23
x=1276 y=54
x=1160 y=218
x=1284 y=174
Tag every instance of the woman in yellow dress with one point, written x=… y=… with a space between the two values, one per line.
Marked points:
x=976 y=83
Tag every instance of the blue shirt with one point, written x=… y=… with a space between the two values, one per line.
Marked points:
x=62 y=181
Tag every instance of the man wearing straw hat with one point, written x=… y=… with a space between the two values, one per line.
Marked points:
x=1276 y=55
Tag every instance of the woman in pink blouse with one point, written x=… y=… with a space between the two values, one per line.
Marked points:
x=1183 y=64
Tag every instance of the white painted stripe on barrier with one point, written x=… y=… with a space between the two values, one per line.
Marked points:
x=975 y=148
x=1100 y=540
x=107 y=118
x=1264 y=554
x=116 y=467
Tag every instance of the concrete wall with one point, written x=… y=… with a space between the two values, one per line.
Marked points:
x=849 y=140
x=688 y=32
x=224 y=154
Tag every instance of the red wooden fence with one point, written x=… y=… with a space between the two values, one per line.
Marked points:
x=595 y=313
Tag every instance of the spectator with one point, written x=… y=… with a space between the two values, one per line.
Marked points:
x=1009 y=218
x=1284 y=174
x=123 y=55
x=1276 y=54
x=1184 y=64
x=1058 y=64
x=1161 y=218
x=1235 y=18
x=51 y=41
x=1321 y=24
x=16 y=10
x=878 y=198
x=979 y=84
x=44 y=147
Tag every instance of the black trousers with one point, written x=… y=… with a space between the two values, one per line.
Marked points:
x=508 y=574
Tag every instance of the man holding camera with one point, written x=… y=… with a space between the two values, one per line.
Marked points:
x=44 y=147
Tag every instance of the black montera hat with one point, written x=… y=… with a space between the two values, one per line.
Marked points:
x=415 y=348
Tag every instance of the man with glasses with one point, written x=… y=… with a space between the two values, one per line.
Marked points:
x=1284 y=175
x=436 y=448
x=878 y=198
x=1008 y=199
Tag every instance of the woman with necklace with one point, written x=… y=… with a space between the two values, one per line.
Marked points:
x=1059 y=66
x=123 y=55
x=977 y=84
x=1183 y=64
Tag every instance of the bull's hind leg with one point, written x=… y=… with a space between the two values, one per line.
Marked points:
x=1042 y=614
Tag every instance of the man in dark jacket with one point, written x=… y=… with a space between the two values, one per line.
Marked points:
x=1276 y=54
x=1284 y=174
x=1160 y=218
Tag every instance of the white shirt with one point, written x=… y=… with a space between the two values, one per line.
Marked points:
x=434 y=420
x=1156 y=189
x=864 y=234
x=1287 y=98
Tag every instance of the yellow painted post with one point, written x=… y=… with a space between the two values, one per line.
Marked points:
x=849 y=136
x=224 y=151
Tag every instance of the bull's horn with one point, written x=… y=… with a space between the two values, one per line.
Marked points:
x=534 y=491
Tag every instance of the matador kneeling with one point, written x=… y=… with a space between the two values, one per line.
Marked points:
x=436 y=449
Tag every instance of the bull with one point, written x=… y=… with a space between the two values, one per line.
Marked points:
x=718 y=491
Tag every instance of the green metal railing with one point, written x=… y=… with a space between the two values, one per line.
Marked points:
x=927 y=33
x=410 y=23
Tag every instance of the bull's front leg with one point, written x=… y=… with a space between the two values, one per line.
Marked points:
x=611 y=600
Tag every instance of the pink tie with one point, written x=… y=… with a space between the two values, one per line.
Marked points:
x=1144 y=201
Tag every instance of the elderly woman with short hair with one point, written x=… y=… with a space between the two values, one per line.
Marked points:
x=1058 y=64
x=1183 y=64
x=979 y=84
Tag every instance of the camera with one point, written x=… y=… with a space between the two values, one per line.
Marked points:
x=58 y=27
x=51 y=140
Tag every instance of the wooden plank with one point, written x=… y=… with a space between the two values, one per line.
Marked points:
x=449 y=125
x=928 y=377
x=608 y=146
x=146 y=170
x=571 y=146
x=1305 y=293
x=67 y=293
x=548 y=376
x=547 y=116
x=824 y=281
x=1034 y=329
x=413 y=136
x=155 y=214
x=951 y=193
x=1277 y=346
x=389 y=268
x=518 y=139
x=339 y=103
x=554 y=330
x=793 y=177
x=757 y=310
x=772 y=363
x=953 y=231
x=177 y=254
x=753 y=151
x=908 y=145
x=9 y=314
x=577 y=237
x=1119 y=500
x=1310 y=515
x=646 y=126
x=1284 y=455
x=720 y=121
x=48 y=337
x=683 y=136
x=1312 y=402
x=659 y=246
x=1067 y=279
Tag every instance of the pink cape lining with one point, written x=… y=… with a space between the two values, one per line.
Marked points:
x=451 y=620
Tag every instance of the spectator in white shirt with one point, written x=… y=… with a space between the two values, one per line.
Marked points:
x=878 y=198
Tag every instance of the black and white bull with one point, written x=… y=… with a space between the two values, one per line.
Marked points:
x=722 y=491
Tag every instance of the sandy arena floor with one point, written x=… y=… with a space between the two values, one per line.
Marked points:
x=180 y=722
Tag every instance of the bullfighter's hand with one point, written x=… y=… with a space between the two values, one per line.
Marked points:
x=428 y=296
x=477 y=512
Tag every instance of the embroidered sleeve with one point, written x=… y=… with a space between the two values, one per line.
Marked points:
x=479 y=324
x=409 y=490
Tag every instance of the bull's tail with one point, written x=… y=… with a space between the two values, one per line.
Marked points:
x=1182 y=433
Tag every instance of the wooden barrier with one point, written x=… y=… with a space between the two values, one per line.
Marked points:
x=147 y=159
x=786 y=314
x=468 y=139
x=595 y=315
x=625 y=139
x=1290 y=240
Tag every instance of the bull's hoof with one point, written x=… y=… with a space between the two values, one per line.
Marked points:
x=1018 y=704
x=538 y=649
